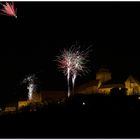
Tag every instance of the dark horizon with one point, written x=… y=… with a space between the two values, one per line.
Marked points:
x=30 y=43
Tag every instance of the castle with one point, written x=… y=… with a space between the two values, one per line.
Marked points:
x=104 y=83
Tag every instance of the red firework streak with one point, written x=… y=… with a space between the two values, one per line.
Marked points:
x=9 y=9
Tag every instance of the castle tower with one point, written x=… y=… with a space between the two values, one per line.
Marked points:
x=103 y=75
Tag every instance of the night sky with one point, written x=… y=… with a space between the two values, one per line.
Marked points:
x=30 y=43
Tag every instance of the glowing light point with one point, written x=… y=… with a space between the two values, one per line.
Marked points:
x=83 y=103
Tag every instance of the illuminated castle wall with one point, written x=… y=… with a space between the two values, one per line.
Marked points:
x=132 y=85
x=94 y=86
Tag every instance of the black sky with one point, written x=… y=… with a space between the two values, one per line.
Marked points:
x=30 y=43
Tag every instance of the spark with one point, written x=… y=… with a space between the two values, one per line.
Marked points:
x=9 y=9
x=72 y=62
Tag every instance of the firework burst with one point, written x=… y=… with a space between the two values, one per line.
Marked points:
x=9 y=9
x=72 y=63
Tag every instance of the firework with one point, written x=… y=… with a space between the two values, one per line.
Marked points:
x=79 y=63
x=31 y=85
x=65 y=64
x=31 y=90
x=9 y=9
x=72 y=63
